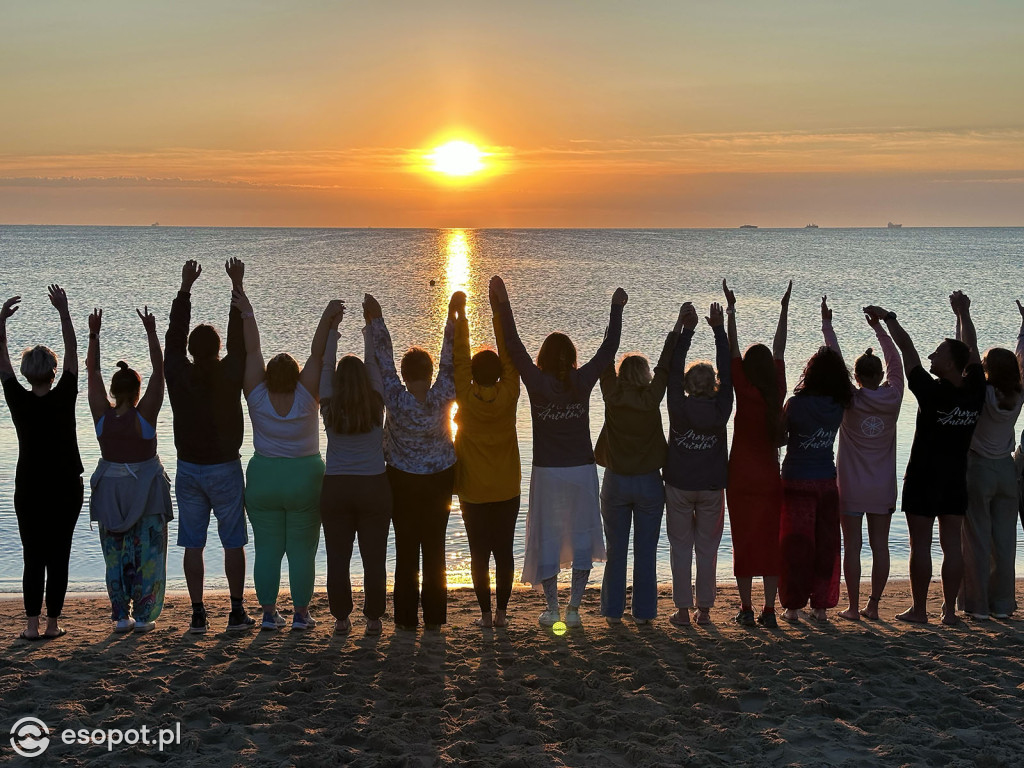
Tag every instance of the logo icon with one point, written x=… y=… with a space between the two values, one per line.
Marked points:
x=30 y=737
x=872 y=426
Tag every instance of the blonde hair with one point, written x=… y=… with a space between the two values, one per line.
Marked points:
x=39 y=365
x=634 y=369
x=700 y=379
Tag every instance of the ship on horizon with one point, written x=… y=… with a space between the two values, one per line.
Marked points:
x=810 y=226
x=890 y=225
x=748 y=226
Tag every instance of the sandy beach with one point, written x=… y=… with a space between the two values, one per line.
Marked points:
x=836 y=694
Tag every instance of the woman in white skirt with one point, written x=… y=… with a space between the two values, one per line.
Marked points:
x=563 y=523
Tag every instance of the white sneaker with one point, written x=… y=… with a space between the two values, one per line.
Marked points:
x=124 y=625
x=549 y=618
x=273 y=621
x=303 y=622
x=572 y=617
x=144 y=626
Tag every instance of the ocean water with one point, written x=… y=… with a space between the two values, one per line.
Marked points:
x=557 y=279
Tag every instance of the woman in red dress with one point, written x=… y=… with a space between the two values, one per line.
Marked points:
x=754 y=492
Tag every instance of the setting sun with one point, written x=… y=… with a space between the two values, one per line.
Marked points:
x=457 y=158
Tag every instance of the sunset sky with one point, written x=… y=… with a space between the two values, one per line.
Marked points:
x=647 y=114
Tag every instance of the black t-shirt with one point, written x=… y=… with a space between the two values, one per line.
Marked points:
x=936 y=479
x=47 y=437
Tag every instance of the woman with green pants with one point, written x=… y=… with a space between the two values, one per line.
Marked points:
x=283 y=479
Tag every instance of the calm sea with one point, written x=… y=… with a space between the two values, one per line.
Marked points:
x=557 y=279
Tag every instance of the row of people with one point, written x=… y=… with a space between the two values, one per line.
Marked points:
x=402 y=471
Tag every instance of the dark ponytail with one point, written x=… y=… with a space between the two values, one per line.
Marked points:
x=125 y=384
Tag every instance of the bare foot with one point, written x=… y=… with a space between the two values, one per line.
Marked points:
x=819 y=614
x=791 y=615
x=849 y=613
x=373 y=626
x=500 y=620
x=950 y=619
x=913 y=616
x=870 y=610
x=484 y=620
x=702 y=616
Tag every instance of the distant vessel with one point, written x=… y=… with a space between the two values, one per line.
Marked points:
x=748 y=226
x=890 y=225
x=810 y=226
x=155 y=224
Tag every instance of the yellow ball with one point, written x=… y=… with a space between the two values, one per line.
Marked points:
x=559 y=628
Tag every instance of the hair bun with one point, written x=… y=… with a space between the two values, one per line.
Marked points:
x=123 y=365
x=869 y=351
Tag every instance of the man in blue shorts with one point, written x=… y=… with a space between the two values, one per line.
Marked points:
x=205 y=397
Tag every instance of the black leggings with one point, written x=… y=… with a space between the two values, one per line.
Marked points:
x=350 y=506
x=491 y=529
x=47 y=514
x=420 y=516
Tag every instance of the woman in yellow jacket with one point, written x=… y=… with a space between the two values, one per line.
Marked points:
x=487 y=470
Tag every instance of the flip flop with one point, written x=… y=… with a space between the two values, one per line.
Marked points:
x=30 y=638
x=60 y=633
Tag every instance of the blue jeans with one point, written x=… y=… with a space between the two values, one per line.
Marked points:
x=625 y=499
x=201 y=488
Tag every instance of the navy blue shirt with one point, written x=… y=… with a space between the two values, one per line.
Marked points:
x=561 y=414
x=812 y=423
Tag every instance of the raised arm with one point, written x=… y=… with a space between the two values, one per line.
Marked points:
x=9 y=308
x=826 y=326
x=723 y=360
x=589 y=372
x=961 y=305
x=309 y=377
x=149 y=405
x=911 y=359
x=59 y=299
x=461 y=354
x=98 y=400
x=330 y=361
x=730 y=311
x=176 y=338
x=369 y=358
x=235 y=269
x=528 y=370
x=683 y=333
x=255 y=369
x=893 y=365
x=1020 y=334
x=779 y=344
x=509 y=372
x=383 y=349
x=444 y=385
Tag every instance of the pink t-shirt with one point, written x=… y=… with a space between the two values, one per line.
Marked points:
x=866 y=460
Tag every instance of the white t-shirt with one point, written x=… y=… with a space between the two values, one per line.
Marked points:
x=289 y=437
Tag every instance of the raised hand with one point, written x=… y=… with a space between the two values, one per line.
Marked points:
x=959 y=302
x=334 y=311
x=190 y=272
x=148 y=320
x=58 y=298
x=236 y=271
x=371 y=308
x=730 y=297
x=1020 y=308
x=716 y=316
x=240 y=301
x=688 y=316
x=875 y=314
x=9 y=308
x=497 y=292
x=457 y=305
x=786 y=295
x=95 y=321
x=826 y=313
x=620 y=297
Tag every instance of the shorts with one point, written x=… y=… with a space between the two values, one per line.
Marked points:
x=200 y=488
